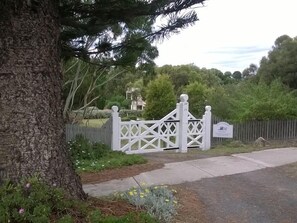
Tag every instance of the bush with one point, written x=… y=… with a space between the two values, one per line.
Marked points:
x=160 y=98
x=125 y=113
x=94 y=114
x=159 y=201
x=103 y=114
x=33 y=201
x=113 y=103
x=82 y=149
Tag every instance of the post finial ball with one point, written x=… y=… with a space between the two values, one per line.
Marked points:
x=184 y=98
x=115 y=108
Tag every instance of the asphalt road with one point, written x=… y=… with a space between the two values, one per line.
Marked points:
x=263 y=196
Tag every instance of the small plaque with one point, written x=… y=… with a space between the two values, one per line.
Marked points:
x=223 y=130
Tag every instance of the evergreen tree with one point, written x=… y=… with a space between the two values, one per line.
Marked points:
x=160 y=98
x=33 y=35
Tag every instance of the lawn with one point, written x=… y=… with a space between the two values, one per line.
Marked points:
x=95 y=123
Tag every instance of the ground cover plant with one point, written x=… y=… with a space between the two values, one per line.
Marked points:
x=87 y=156
x=158 y=201
x=36 y=202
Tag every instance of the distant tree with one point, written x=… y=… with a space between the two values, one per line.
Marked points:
x=198 y=94
x=250 y=71
x=281 y=62
x=227 y=79
x=160 y=98
x=237 y=75
x=220 y=100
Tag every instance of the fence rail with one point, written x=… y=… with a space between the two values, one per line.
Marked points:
x=270 y=130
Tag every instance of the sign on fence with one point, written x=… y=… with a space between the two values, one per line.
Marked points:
x=223 y=130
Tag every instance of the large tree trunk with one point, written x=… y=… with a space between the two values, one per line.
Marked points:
x=32 y=135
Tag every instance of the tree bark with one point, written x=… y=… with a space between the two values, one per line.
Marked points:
x=32 y=130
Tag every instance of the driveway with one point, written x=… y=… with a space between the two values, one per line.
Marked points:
x=262 y=196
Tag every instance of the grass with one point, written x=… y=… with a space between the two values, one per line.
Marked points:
x=108 y=161
x=92 y=157
x=229 y=149
x=95 y=123
x=232 y=147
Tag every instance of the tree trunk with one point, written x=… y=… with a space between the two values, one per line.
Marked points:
x=32 y=130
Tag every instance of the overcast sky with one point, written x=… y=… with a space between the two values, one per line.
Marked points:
x=231 y=34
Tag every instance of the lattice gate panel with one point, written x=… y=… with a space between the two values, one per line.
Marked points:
x=150 y=136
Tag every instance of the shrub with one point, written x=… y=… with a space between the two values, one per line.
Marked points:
x=159 y=201
x=160 y=98
x=113 y=103
x=33 y=201
x=103 y=114
x=127 y=113
x=82 y=149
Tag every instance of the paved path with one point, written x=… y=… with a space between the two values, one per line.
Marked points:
x=195 y=170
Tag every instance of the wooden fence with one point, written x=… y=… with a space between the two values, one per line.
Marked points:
x=248 y=132
x=102 y=134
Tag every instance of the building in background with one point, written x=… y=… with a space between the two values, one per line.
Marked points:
x=136 y=99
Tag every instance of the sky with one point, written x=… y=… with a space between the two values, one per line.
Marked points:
x=230 y=34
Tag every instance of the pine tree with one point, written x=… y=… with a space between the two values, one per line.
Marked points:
x=34 y=36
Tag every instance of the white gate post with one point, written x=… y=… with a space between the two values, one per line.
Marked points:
x=207 y=128
x=116 y=120
x=183 y=123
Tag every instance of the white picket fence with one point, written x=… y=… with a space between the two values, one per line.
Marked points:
x=178 y=130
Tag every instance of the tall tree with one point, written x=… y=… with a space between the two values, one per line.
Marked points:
x=250 y=71
x=32 y=139
x=32 y=135
x=237 y=75
x=281 y=62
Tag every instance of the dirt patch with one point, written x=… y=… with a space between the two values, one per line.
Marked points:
x=113 y=207
x=119 y=173
x=190 y=208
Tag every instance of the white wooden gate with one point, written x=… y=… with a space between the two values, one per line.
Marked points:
x=177 y=130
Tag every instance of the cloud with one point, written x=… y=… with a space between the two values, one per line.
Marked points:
x=230 y=38
x=239 y=50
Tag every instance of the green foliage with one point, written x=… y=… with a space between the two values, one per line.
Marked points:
x=88 y=156
x=131 y=114
x=197 y=93
x=119 y=101
x=220 y=100
x=83 y=149
x=263 y=102
x=120 y=32
x=281 y=62
x=237 y=75
x=159 y=201
x=34 y=201
x=160 y=98
x=113 y=103
x=104 y=114
x=139 y=217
